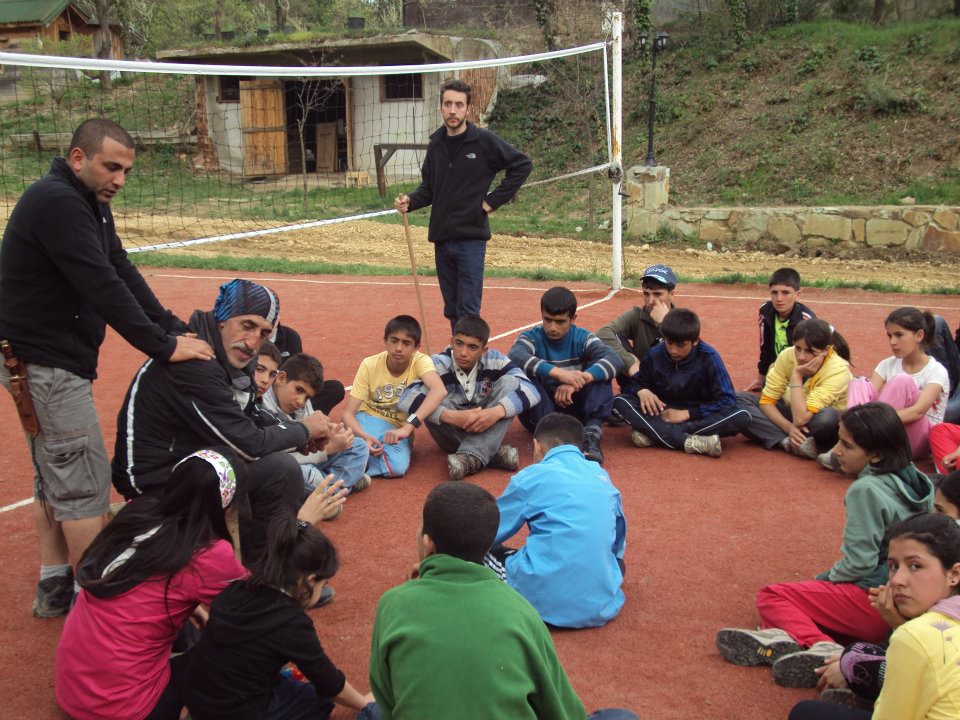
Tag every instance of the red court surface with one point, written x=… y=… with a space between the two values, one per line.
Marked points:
x=703 y=534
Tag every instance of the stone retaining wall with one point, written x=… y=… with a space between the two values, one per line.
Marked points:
x=926 y=227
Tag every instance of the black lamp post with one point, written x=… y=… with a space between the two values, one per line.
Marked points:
x=659 y=43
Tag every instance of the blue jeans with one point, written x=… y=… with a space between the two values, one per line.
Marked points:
x=460 y=274
x=395 y=459
x=294 y=700
x=348 y=466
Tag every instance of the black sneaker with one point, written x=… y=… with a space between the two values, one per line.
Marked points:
x=54 y=596
x=591 y=447
x=326 y=596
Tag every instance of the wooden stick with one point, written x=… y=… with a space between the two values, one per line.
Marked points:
x=416 y=282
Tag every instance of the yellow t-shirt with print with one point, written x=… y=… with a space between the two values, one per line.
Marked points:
x=379 y=391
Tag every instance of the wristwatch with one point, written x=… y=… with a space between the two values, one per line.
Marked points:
x=414 y=420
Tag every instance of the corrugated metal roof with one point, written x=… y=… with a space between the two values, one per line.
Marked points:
x=31 y=11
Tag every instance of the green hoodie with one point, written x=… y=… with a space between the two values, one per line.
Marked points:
x=460 y=643
x=873 y=503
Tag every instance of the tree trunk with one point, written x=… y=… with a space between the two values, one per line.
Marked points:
x=956 y=7
x=218 y=20
x=879 y=7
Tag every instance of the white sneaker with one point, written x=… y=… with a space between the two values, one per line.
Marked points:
x=754 y=647
x=702 y=445
x=640 y=440
x=829 y=461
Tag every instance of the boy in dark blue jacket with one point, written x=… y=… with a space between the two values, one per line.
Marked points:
x=681 y=397
x=571 y=368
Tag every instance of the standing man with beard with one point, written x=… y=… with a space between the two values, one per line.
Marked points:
x=461 y=163
x=64 y=276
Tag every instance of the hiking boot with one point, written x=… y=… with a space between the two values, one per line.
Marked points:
x=54 y=596
x=829 y=461
x=754 y=647
x=640 y=440
x=845 y=696
x=591 y=447
x=806 y=449
x=459 y=465
x=702 y=445
x=796 y=670
x=506 y=458
x=333 y=514
x=326 y=597
x=362 y=484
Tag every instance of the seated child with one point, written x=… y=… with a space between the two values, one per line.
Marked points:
x=571 y=566
x=344 y=456
x=681 y=397
x=288 y=342
x=258 y=625
x=912 y=382
x=267 y=367
x=804 y=393
x=921 y=677
x=485 y=390
x=457 y=642
x=815 y=614
x=945 y=352
x=777 y=319
x=637 y=330
x=140 y=580
x=372 y=412
x=945 y=446
x=570 y=367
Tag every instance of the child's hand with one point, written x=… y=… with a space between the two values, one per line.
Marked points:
x=573 y=378
x=200 y=616
x=482 y=420
x=830 y=674
x=659 y=310
x=882 y=600
x=812 y=366
x=675 y=416
x=950 y=461
x=375 y=448
x=650 y=404
x=756 y=385
x=395 y=435
x=340 y=439
x=329 y=494
x=563 y=397
x=797 y=435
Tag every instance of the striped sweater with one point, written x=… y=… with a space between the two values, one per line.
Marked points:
x=578 y=350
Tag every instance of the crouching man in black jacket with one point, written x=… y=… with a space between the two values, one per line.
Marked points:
x=174 y=409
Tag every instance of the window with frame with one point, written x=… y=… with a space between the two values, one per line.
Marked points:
x=405 y=86
x=229 y=88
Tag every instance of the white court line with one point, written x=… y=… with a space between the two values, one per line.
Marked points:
x=18 y=504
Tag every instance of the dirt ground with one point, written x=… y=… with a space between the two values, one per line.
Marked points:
x=373 y=243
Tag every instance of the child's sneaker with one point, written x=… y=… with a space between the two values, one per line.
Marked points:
x=702 y=445
x=807 y=449
x=459 y=465
x=829 y=461
x=54 y=596
x=506 y=458
x=754 y=647
x=796 y=670
x=591 y=447
x=640 y=440
x=333 y=514
x=362 y=484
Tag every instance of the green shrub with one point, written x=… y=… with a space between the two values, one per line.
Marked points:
x=869 y=57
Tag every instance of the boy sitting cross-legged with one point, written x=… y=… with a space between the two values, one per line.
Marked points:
x=681 y=398
x=457 y=642
x=344 y=456
x=571 y=566
x=571 y=368
x=485 y=390
x=372 y=412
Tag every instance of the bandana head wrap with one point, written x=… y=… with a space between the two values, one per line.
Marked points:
x=244 y=297
x=224 y=470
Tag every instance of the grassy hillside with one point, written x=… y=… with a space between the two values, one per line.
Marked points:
x=816 y=113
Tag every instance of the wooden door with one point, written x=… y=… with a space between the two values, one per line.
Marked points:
x=263 y=122
x=327 y=147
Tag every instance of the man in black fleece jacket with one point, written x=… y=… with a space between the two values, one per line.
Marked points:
x=460 y=164
x=64 y=276
x=172 y=410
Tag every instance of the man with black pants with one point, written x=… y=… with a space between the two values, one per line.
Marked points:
x=459 y=167
x=171 y=411
x=64 y=276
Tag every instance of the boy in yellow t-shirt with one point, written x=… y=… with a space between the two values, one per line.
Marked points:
x=372 y=411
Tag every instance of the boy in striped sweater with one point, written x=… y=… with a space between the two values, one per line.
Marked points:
x=570 y=367
x=485 y=390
